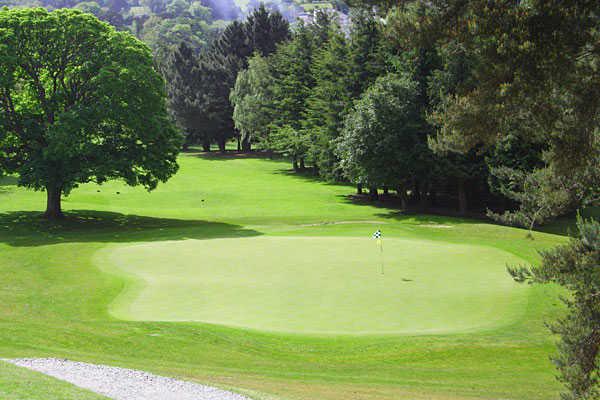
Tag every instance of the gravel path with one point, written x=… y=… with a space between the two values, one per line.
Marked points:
x=124 y=384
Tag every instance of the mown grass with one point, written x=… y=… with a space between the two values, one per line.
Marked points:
x=54 y=300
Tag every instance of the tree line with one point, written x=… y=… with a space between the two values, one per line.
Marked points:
x=371 y=105
x=199 y=85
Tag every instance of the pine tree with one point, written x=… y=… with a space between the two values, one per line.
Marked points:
x=292 y=84
x=330 y=99
x=366 y=56
x=265 y=30
x=184 y=90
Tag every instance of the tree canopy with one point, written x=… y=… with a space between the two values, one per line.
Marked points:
x=80 y=102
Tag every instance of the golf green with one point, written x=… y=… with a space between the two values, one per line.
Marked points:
x=318 y=284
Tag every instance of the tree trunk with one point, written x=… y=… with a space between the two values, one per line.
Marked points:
x=423 y=197
x=246 y=145
x=359 y=188
x=302 y=166
x=373 y=194
x=403 y=198
x=462 y=197
x=222 y=145
x=295 y=164
x=206 y=146
x=239 y=143
x=386 y=191
x=53 y=208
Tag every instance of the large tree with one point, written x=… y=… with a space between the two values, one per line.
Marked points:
x=251 y=97
x=328 y=102
x=184 y=90
x=381 y=143
x=79 y=102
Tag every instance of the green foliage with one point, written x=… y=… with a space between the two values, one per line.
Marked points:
x=575 y=267
x=540 y=194
x=161 y=24
x=537 y=78
x=292 y=84
x=251 y=97
x=380 y=144
x=217 y=69
x=330 y=99
x=184 y=90
x=89 y=107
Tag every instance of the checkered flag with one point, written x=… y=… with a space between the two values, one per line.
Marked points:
x=377 y=235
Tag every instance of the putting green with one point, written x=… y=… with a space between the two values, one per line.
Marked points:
x=317 y=284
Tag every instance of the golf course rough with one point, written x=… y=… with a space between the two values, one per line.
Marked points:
x=324 y=285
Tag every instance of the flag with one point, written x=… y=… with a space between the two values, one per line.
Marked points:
x=379 y=237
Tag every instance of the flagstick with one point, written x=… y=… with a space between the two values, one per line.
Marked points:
x=381 y=255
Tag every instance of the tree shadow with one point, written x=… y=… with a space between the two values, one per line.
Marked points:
x=8 y=181
x=238 y=155
x=309 y=176
x=391 y=205
x=567 y=224
x=29 y=229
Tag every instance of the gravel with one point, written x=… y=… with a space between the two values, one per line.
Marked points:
x=124 y=384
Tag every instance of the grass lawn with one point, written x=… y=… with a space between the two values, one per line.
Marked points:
x=240 y=274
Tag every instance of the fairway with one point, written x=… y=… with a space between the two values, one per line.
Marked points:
x=318 y=285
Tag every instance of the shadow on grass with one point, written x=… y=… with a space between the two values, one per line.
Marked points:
x=8 y=180
x=392 y=209
x=237 y=155
x=567 y=225
x=30 y=229
x=309 y=176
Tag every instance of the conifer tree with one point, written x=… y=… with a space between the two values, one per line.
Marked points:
x=265 y=29
x=184 y=90
x=330 y=99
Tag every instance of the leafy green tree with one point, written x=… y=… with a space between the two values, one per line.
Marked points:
x=163 y=35
x=574 y=266
x=251 y=98
x=292 y=143
x=80 y=103
x=381 y=142
x=541 y=195
x=292 y=82
x=320 y=28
